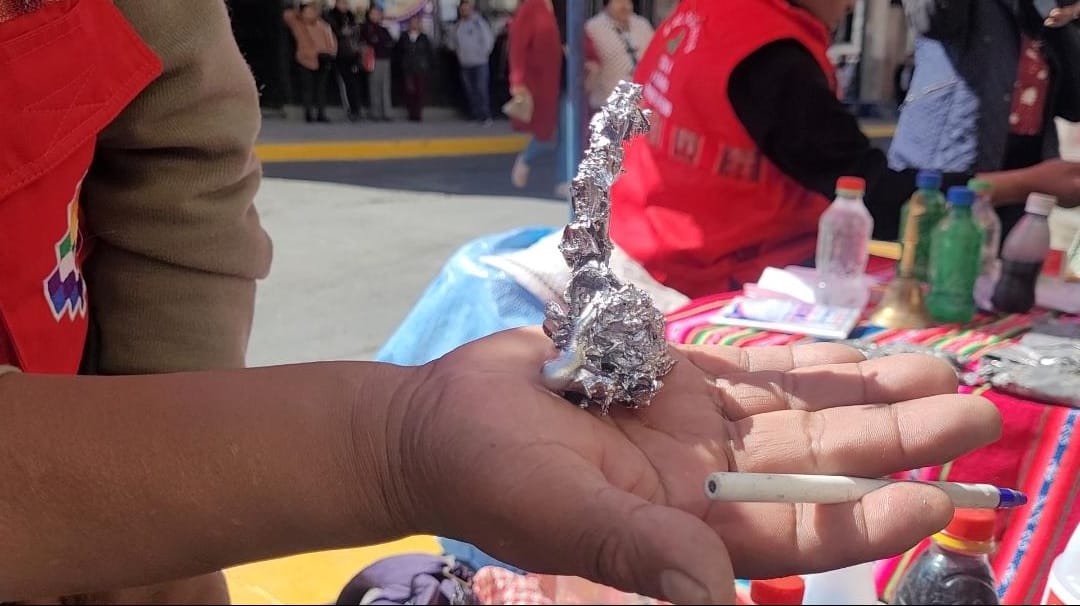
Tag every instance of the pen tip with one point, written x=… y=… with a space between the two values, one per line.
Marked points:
x=1011 y=498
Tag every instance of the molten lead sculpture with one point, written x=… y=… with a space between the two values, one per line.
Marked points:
x=611 y=338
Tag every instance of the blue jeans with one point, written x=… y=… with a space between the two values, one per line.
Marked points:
x=475 y=80
x=564 y=167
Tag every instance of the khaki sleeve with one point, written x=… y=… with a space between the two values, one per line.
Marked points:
x=169 y=203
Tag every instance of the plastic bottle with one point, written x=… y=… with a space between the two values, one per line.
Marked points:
x=846 y=586
x=1022 y=257
x=929 y=195
x=955 y=259
x=1070 y=267
x=1063 y=583
x=955 y=569
x=783 y=590
x=843 y=246
x=987 y=218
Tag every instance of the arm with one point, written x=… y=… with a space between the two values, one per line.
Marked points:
x=786 y=105
x=169 y=199
x=939 y=19
x=489 y=37
x=124 y=481
x=331 y=38
x=519 y=40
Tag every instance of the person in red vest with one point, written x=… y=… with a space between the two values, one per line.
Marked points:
x=129 y=242
x=747 y=143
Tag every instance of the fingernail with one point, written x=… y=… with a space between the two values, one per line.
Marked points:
x=681 y=589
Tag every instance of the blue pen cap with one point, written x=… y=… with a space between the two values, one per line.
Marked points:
x=961 y=196
x=928 y=179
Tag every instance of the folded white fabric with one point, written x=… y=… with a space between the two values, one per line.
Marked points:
x=541 y=270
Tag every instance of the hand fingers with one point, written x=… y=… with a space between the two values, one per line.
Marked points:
x=815 y=538
x=578 y=524
x=881 y=380
x=717 y=360
x=1059 y=17
x=868 y=441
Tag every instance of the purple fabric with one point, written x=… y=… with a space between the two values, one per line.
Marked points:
x=410 y=579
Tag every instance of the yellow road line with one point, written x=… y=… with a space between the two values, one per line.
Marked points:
x=323 y=151
x=879 y=131
x=390 y=149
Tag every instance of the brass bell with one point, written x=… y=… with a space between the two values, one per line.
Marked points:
x=903 y=304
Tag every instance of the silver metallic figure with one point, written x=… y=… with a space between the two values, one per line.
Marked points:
x=611 y=338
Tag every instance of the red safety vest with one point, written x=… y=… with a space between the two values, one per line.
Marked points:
x=67 y=68
x=700 y=207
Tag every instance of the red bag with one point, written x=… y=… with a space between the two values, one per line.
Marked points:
x=367 y=58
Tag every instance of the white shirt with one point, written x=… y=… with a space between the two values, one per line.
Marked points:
x=619 y=51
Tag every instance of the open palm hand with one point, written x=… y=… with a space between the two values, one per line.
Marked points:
x=620 y=499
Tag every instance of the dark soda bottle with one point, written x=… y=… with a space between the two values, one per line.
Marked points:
x=1022 y=257
x=955 y=569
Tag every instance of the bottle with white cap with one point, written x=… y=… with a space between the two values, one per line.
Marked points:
x=1022 y=257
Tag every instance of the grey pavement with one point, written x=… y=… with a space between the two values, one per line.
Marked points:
x=349 y=262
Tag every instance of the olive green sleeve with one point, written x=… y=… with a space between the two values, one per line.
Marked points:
x=176 y=241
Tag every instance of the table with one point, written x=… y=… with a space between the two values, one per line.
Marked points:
x=1039 y=451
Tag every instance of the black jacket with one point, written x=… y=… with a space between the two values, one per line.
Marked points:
x=416 y=56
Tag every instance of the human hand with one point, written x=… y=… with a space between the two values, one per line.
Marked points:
x=1059 y=178
x=519 y=91
x=1062 y=16
x=491 y=457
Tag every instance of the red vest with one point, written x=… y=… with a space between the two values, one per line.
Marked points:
x=67 y=68
x=699 y=206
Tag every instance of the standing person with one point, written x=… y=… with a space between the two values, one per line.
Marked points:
x=620 y=37
x=535 y=78
x=375 y=35
x=342 y=21
x=996 y=101
x=316 y=47
x=130 y=199
x=414 y=49
x=473 y=41
x=749 y=138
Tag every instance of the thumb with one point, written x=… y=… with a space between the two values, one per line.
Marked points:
x=623 y=541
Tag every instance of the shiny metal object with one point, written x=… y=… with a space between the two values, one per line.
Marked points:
x=903 y=304
x=610 y=336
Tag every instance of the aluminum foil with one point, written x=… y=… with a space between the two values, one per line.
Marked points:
x=610 y=336
x=1042 y=367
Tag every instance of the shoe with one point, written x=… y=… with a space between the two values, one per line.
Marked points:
x=519 y=175
x=487 y=122
x=322 y=119
x=562 y=191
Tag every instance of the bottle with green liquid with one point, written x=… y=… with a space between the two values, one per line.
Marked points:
x=929 y=197
x=955 y=260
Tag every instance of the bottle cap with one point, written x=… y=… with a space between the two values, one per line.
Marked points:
x=975 y=525
x=1040 y=204
x=784 y=590
x=979 y=185
x=961 y=196
x=928 y=179
x=851 y=184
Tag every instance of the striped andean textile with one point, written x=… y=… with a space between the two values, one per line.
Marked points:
x=1039 y=451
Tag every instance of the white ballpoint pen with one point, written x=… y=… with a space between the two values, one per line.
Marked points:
x=802 y=488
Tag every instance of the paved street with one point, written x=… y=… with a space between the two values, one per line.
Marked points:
x=350 y=261
x=356 y=242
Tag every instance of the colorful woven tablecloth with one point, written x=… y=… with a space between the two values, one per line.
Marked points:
x=1039 y=451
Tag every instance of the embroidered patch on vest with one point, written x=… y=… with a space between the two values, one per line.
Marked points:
x=65 y=289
